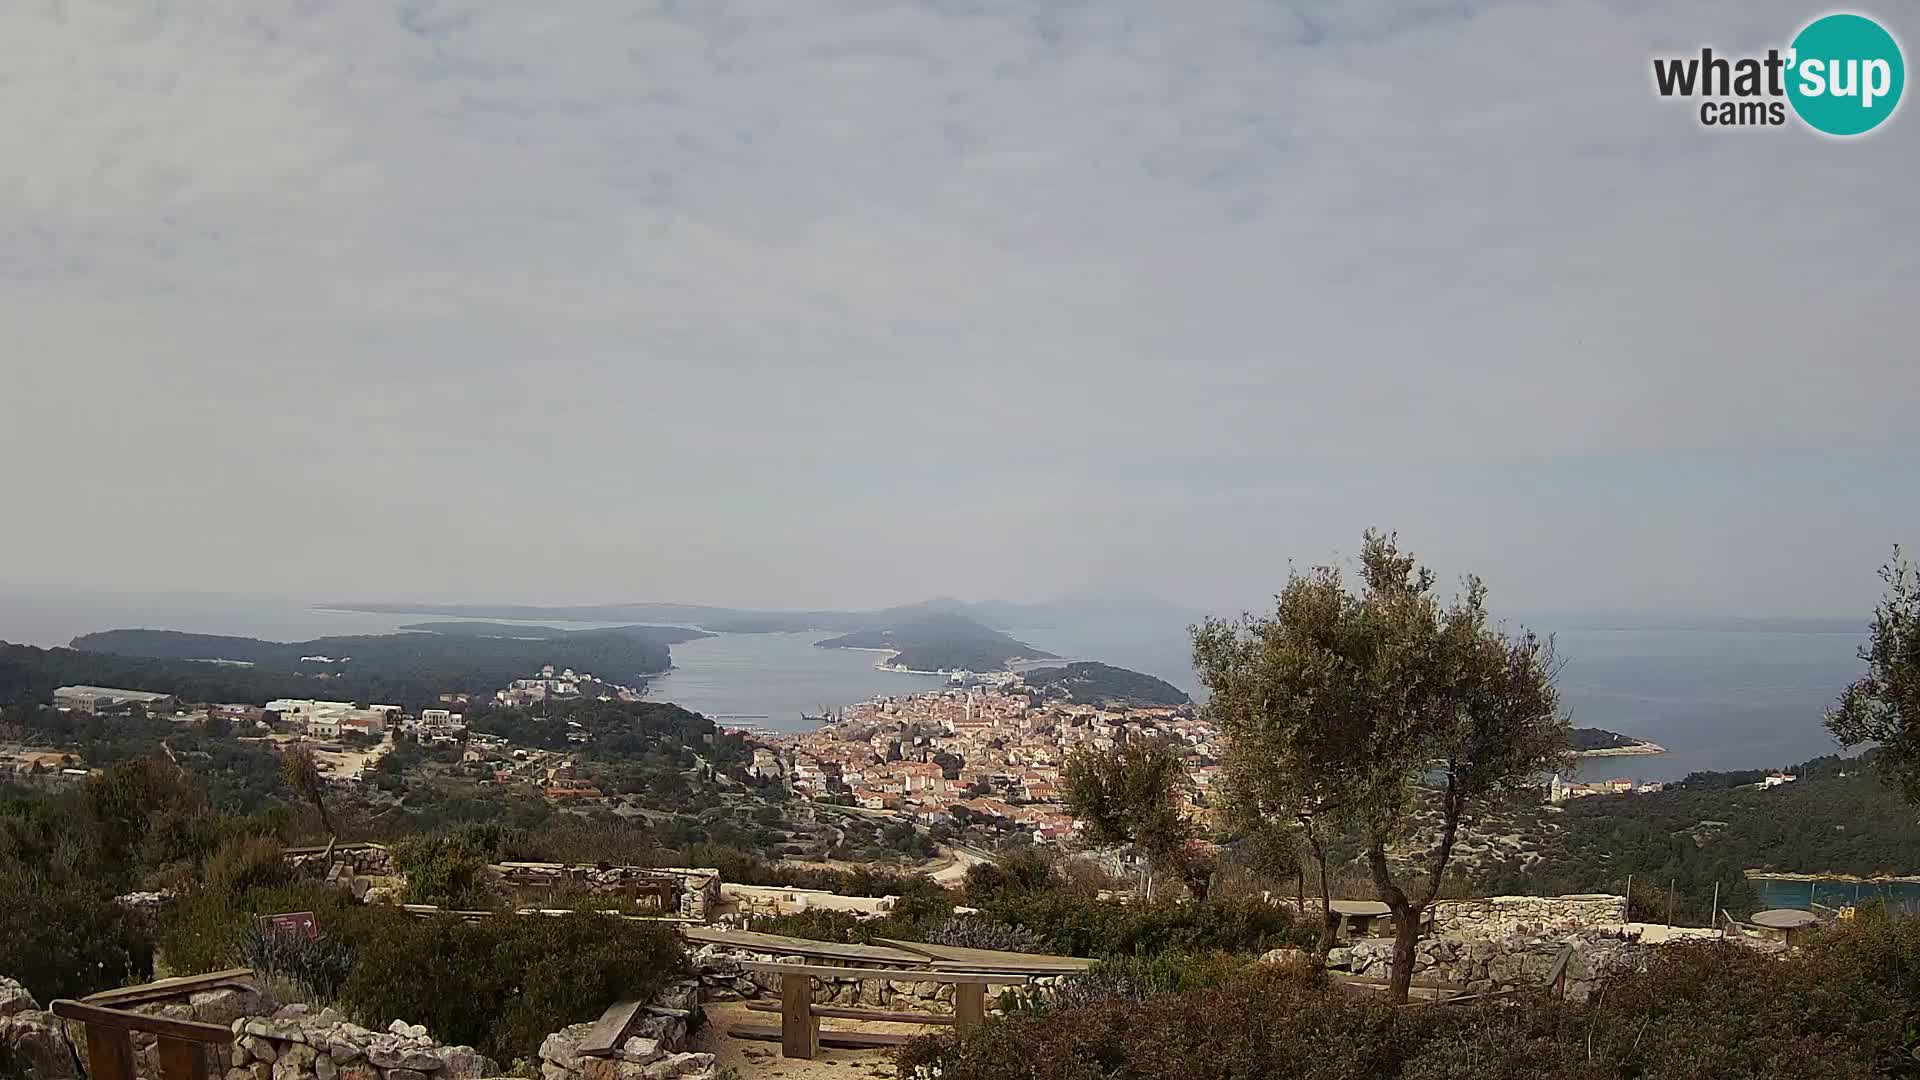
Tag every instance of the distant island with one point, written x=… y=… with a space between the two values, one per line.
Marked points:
x=1101 y=606
x=1599 y=742
x=1092 y=683
x=671 y=635
x=405 y=668
x=940 y=643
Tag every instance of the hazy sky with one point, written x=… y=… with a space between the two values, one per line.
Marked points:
x=802 y=302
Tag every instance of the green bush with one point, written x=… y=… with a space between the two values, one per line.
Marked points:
x=1846 y=1007
x=972 y=932
x=317 y=966
x=1137 y=978
x=1016 y=873
x=244 y=863
x=65 y=940
x=502 y=984
x=445 y=871
x=1077 y=926
x=206 y=931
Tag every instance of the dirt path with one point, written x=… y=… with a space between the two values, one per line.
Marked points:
x=956 y=871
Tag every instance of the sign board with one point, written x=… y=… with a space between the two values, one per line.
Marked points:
x=295 y=923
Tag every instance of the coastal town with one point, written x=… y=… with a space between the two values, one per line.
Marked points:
x=987 y=754
x=986 y=751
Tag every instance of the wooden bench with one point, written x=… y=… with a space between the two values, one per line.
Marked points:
x=183 y=1043
x=799 y=1032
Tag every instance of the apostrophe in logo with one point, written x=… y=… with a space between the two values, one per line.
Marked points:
x=1846 y=74
x=1842 y=75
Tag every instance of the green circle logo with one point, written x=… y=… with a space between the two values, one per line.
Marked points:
x=1846 y=74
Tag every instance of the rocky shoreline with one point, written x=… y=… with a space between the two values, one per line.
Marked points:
x=1639 y=749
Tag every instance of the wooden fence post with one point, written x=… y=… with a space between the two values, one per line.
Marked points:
x=969 y=1005
x=109 y=1053
x=799 y=1028
x=182 y=1059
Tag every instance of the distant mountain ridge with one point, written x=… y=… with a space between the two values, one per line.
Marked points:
x=1102 y=605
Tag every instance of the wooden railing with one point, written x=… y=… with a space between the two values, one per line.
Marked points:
x=182 y=1043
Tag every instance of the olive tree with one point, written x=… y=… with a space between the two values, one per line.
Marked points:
x=1274 y=700
x=1883 y=706
x=1130 y=797
x=1359 y=707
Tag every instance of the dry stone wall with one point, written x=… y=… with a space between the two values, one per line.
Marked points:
x=698 y=888
x=49 y=1048
x=32 y=1041
x=1515 y=962
x=367 y=860
x=296 y=1043
x=1504 y=916
x=654 y=1049
x=723 y=979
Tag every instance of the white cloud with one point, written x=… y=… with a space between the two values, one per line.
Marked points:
x=772 y=293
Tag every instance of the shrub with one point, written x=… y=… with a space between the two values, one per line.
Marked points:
x=502 y=984
x=820 y=924
x=976 y=933
x=207 y=931
x=1017 y=873
x=69 y=941
x=244 y=863
x=1076 y=926
x=446 y=871
x=1846 y=1007
x=317 y=966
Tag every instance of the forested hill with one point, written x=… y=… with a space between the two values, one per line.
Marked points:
x=941 y=642
x=406 y=669
x=1088 y=682
x=1837 y=818
x=1593 y=738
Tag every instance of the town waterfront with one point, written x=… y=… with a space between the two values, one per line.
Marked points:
x=1718 y=694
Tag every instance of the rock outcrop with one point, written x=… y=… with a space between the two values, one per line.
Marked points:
x=32 y=1041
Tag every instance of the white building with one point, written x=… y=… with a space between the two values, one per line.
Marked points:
x=306 y=712
x=440 y=724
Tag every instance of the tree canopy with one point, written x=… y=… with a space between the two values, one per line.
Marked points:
x=1366 y=706
x=1128 y=797
x=1883 y=706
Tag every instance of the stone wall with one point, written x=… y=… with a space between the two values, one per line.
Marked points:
x=697 y=889
x=55 y=1049
x=367 y=860
x=32 y=1040
x=654 y=1047
x=1515 y=962
x=298 y=1044
x=1504 y=916
x=722 y=979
